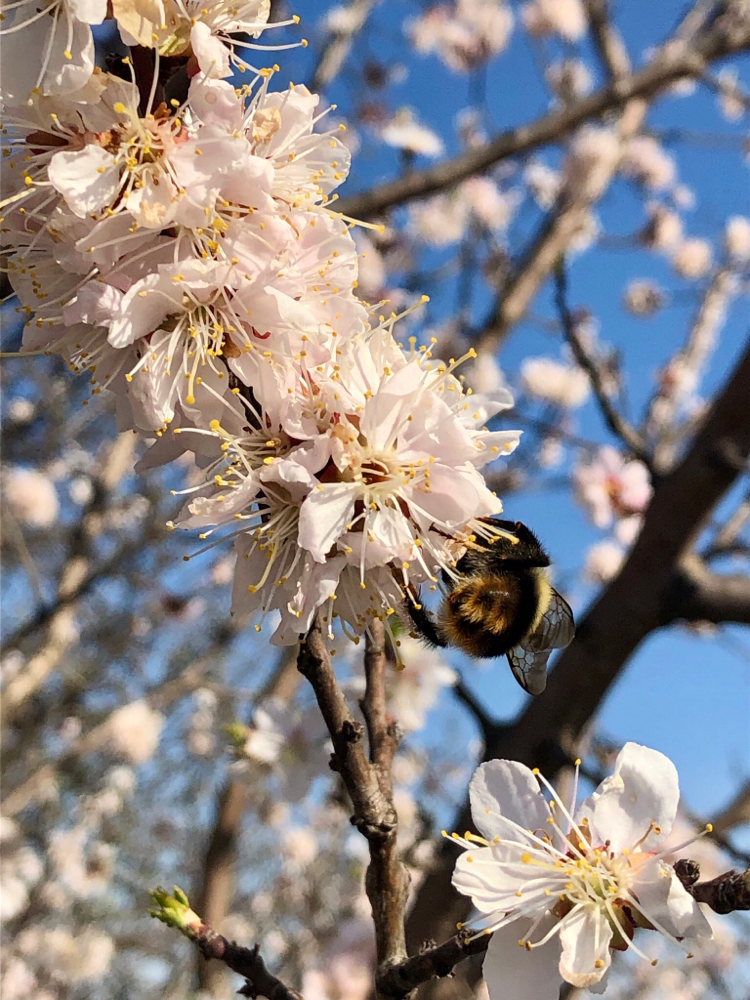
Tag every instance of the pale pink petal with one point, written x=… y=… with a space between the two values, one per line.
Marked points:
x=502 y=791
x=216 y=101
x=513 y=973
x=643 y=790
x=585 y=935
x=143 y=308
x=153 y=205
x=212 y=54
x=88 y=179
x=490 y=879
x=324 y=515
x=664 y=898
x=96 y=303
x=90 y=11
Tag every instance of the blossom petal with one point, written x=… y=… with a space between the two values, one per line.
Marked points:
x=642 y=790
x=87 y=178
x=665 y=899
x=324 y=515
x=503 y=792
x=212 y=54
x=585 y=935
x=492 y=881
x=143 y=308
x=513 y=973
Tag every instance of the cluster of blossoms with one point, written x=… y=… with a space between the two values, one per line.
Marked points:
x=562 y=888
x=187 y=257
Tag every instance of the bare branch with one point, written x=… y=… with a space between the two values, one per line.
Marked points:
x=612 y=53
x=217 y=877
x=698 y=594
x=430 y=963
x=612 y=417
x=481 y=716
x=726 y=893
x=692 y=358
x=727 y=537
x=669 y=65
x=734 y=814
x=174 y=910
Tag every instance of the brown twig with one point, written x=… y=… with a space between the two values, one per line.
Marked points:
x=432 y=962
x=367 y=781
x=245 y=962
x=174 y=911
x=726 y=893
x=669 y=65
x=612 y=416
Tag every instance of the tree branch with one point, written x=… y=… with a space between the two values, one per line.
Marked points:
x=175 y=912
x=697 y=594
x=726 y=893
x=387 y=880
x=217 y=876
x=669 y=65
x=612 y=417
x=431 y=962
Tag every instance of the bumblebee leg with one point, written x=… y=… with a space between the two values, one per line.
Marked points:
x=423 y=622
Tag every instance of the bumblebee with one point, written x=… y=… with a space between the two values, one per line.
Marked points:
x=500 y=601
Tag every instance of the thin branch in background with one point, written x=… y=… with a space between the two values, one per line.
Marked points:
x=727 y=541
x=661 y=426
x=481 y=716
x=671 y=64
x=334 y=53
x=612 y=417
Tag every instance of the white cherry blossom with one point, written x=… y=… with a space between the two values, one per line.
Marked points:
x=569 y=887
x=59 y=31
x=611 y=488
x=175 y=27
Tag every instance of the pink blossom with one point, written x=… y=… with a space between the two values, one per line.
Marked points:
x=134 y=731
x=404 y=132
x=464 y=34
x=737 y=238
x=643 y=298
x=563 y=385
x=692 y=259
x=31 y=496
x=611 y=488
x=592 y=157
x=572 y=884
x=646 y=161
x=603 y=561
x=566 y=18
x=664 y=230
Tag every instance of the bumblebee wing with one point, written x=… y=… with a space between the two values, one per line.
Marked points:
x=554 y=631
x=529 y=668
x=556 y=627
